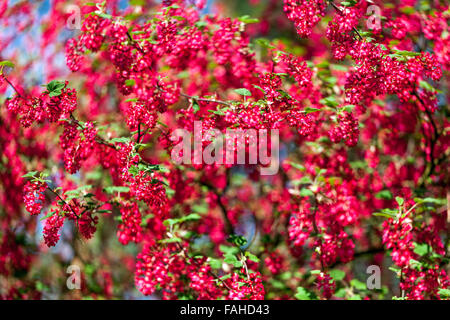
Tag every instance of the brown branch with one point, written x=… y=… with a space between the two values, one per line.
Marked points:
x=138 y=139
x=135 y=43
x=64 y=201
x=15 y=89
x=316 y=230
x=228 y=225
x=433 y=139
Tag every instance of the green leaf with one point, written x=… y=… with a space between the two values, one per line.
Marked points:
x=303 y=180
x=228 y=249
x=439 y=202
x=55 y=85
x=306 y=180
x=384 y=214
x=408 y=10
x=444 y=293
x=195 y=106
x=170 y=222
x=55 y=93
x=243 y=92
x=340 y=293
x=415 y=264
x=297 y=166
x=310 y=110
x=48 y=215
x=145 y=219
x=348 y=108
x=382 y=46
x=407 y=53
x=54 y=88
x=174 y=221
x=265 y=43
x=247 y=19
x=302 y=294
x=179 y=18
x=305 y=192
x=104 y=15
x=330 y=101
x=421 y=248
x=30 y=174
x=103 y=211
x=201 y=24
x=230 y=259
x=191 y=217
x=218 y=112
x=237 y=240
x=130 y=82
x=120 y=140
x=395 y=270
x=331 y=80
x=358 y=284
x=78 y=190
x=349 y=3
x=339 y=67
x=171 y=240
x=251 y=256
x=425 y=85
x=337 y=274
x=226 y=276
x=6 y=63
x=384 y=194
x=215 y=263
x=133 y=170
x=259 y=88
x=114 y=189
x=200 y=208
x=323 y=65
x=399 y=200
x=359 y=164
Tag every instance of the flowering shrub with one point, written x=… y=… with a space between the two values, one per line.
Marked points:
x=87 y=176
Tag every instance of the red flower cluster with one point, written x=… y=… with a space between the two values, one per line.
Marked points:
x=77 y=144
x=347 y=130
x=34 y=196
x=250 y=288
x=130 y=227
x=51 y=229
x=48 y=106
x=304 y=14
x=164 y=268
x=326 y=285
x=360 y=116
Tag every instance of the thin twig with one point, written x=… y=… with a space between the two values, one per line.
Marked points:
x=206 y=100
x=64 y=201
x=15 y=89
